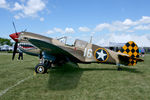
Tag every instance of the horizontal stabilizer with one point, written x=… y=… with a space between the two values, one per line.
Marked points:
x=131 y=49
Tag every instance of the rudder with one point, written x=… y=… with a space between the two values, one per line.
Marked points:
x=131 y=49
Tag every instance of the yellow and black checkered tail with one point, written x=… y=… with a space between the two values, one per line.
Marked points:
x=132 y=50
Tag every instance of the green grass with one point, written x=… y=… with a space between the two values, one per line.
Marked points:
x=89 y=82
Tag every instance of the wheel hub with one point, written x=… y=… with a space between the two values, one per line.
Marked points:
x=40 y=69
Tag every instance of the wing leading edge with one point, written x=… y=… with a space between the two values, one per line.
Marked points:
x=51 y=49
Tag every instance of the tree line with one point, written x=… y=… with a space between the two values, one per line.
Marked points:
x=4 y=41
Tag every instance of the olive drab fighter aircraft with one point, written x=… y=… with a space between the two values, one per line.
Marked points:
x=51 y=51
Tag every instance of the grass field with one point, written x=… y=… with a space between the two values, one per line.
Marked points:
x=89 y=82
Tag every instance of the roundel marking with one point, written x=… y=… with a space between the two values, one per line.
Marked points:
x=101 y=55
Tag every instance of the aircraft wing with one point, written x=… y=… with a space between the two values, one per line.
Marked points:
x=51 y=49
x=48 y=47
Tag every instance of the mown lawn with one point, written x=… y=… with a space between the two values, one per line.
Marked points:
x=89 y=82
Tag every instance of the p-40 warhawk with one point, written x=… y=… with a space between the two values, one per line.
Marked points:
x=53 y=52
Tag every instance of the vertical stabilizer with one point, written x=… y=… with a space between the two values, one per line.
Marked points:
x=131 y=49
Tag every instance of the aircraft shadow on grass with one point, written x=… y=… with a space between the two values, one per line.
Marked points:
x=69 y=75
x=64 y=78
x=132 y=70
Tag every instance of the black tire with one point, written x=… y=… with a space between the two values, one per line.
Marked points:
x=40 y=68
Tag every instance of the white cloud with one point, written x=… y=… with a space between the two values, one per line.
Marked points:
x=84 y=29
x=144 y=20
x=33 y=7
x=140 y=40
x=26 y=8
x=19 y=15
x=118 y=28
x=50 y=32
x=17 y=6
x=41 y=19
x=115 y=26
x=4 y=4
x=69 y=30
x=129 y=22
x=58 y=30
x=125 y=26
x=100 y=27
x=142 y=27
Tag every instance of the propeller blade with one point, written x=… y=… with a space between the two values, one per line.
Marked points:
x=14 y=27
x=15 y=50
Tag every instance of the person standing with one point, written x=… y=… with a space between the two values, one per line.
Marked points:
x=20 y=55
x=140 y=52
x=143 y=52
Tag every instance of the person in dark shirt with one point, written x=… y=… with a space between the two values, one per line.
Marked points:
x=20 y=55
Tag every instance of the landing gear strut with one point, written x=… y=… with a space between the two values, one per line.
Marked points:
x=119 y=68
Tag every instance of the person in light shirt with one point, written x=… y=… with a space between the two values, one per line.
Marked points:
x=20 y=54
x=142 y=52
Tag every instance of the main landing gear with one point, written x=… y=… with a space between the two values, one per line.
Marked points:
x=42 y=68
x=46 y=64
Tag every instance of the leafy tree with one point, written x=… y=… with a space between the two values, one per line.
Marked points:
x=4 y=41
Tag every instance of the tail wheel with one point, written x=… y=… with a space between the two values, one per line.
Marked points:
x=40 y=68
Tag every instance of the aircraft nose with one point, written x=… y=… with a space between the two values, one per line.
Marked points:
x=15 y=36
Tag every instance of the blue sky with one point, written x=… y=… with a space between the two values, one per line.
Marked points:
x=106 y=20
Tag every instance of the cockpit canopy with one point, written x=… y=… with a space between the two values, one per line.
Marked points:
x=80 y=43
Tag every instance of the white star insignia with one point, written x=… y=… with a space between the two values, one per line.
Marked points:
x=101 y=55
